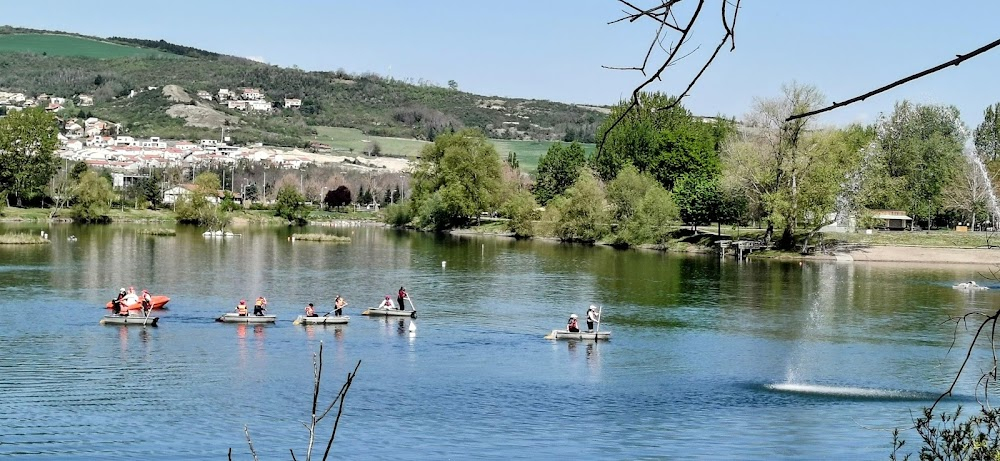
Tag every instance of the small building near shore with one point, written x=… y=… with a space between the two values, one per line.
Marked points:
x=892 y=219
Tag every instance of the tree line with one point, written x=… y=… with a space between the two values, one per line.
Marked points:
x=660 y=168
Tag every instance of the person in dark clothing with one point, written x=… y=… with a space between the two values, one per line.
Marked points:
x=399 y=299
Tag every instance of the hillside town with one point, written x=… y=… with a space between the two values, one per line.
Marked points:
x=101 y=143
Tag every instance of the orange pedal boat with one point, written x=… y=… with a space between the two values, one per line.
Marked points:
x=158 y=302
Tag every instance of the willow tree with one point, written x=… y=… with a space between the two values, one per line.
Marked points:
x=457 y=178
x=92 y=197
x=770 y=156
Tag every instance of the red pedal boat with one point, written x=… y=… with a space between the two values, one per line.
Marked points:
x=158 y=302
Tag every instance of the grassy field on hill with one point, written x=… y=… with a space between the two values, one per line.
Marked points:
x=528 y=152
x=342 y=140
x=65 y=45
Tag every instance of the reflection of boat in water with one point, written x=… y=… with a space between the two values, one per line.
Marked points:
x=321 y=320
x=580 y=335
x=970 y=286
x=381 y=311
x=137 y=320
x=231 y=317
x=158 y=302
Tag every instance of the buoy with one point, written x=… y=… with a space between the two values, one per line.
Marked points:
x=413 y=326
x=444 y=263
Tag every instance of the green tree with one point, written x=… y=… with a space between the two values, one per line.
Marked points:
x=558 y=169
x=650 y=223
x=92 y=198
x=200 y=207
x=583 y=215
x=457 y=178
x=28 y=139
x=919 y=152
x=987 y=135
x=452 y=85
x=521 y=210
x=640 y=206
x=290 y=204
x=697 y=197
x=78 y=169
x=664 y=143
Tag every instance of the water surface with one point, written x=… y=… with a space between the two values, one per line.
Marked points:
x=708 y=358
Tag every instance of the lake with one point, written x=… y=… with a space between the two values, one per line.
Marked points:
x=709 y=358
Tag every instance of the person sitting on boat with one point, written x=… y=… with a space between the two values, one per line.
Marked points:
x=592 y=316
x=130 y=297
x=387 y=304
x=116 y=304
x=259 y=306
x=400 y=297
x=338 y=306
x=311 y=311
x=572 y=326
x=241 y=308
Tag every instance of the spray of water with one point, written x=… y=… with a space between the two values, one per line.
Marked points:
x=980 y=169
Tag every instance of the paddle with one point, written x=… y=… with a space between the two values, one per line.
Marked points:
x=408 y=298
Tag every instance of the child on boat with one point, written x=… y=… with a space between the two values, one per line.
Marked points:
x=241 y=308
x=311 y=311
x=572 y=326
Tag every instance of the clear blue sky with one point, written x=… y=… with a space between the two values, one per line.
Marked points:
x=554 y=49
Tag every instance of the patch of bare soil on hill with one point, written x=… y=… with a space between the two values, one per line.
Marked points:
x=200 y=116
x=176 y=94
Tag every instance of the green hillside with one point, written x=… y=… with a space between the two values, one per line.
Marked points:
x=124 y=76
x=66 y=45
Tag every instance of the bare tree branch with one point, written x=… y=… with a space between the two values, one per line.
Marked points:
x=663 y=14
x=989 y=320
x=954 y=62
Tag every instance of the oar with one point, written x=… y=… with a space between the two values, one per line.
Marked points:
x=408 y=298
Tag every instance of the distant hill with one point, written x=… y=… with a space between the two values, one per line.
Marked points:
x=111 y=70
x=68 y=45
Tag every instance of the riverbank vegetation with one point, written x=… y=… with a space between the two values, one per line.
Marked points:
x=22 y=239
x=158 y=231
x=658 y=167
x=321 y=238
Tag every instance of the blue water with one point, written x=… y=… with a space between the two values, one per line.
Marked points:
x=708 y=359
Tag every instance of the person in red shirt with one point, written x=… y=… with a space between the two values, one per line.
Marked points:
x=399 y=299
x=572 y=326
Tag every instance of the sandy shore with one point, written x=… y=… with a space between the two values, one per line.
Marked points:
x=932 y=255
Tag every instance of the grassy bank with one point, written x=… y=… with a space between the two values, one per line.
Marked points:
x=22 y=239
x=321 y=238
